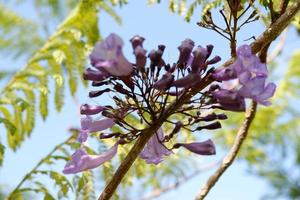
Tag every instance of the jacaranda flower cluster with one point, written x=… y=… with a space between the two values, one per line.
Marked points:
x=144 y=89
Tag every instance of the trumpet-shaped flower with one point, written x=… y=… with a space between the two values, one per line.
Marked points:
x=107 y=55
x=154 y=151
x=250 y=73
x=82 y=161
x=88 y=125
x=256 y=89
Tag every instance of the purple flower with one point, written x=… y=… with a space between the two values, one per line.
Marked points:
x=86 y=109
x=230 y=100
x=214 y=60
x=107 y=55
x=256 y=89
x=200 y=55
x=202 y=148
x=248 y=61
x=93 y=75
x=245 y=62
x=137 y=41
x=82 y=136
x=156 y=56
x=140 y=57
x=187 y=81
x=154 y=151
x=87 y=123
x=251 y=74
x=82 y=161
x=185 y=50
x=224 y=74
x=165 y=82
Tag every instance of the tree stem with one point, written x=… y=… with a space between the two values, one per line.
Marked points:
x=229 y=158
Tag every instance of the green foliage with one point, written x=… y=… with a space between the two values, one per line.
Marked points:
x=61 y=58
x=63 y=52
x=2 y=149
x=187 y=9
x=88 y=191
x=14 y=26
x=31 y=181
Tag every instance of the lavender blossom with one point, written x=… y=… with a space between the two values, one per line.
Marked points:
x=87 y=123
x=256 y=89
x=82 y=161
x=154 y=151
x=185 y=50
x=251 y=74
x=83 y=136
x=107 y=55
x=140 y=55
x=94 y=75
x=165 y=82
x=250 y=61
x=224 y=74
x=230 y=100
x=150 y=91
x=199 y=57
x=187 y=81
x=137 y=41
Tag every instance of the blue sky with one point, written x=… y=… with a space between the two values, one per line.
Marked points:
x=158 y=26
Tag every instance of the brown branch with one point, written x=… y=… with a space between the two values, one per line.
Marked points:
x=283 y=6
x=229 y=158
x=275 y=29
x=268 y=36
x=278 y=48
x=249 y=116
x=160 y=191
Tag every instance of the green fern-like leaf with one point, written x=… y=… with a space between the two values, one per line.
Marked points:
x=2 y=150
x=62 y=57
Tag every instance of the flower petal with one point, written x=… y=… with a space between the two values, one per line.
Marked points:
x=81 y=161
x=154 y=151
x=187 y=81
x=107 y=55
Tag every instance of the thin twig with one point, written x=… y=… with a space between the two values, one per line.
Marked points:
x=229 y=158
x=278 y=48
x=283 y=5
x=275 y=29
x=160 y=191
x=268 y=36
x=242 y=134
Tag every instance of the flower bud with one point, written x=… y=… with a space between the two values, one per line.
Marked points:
x=98 y=92
x=137 y=41
x=212 y=126
x=185 y=50
x=86 y=109
x=214 y=60
x=202 y=148
x=165 y=82
x=93 y=75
